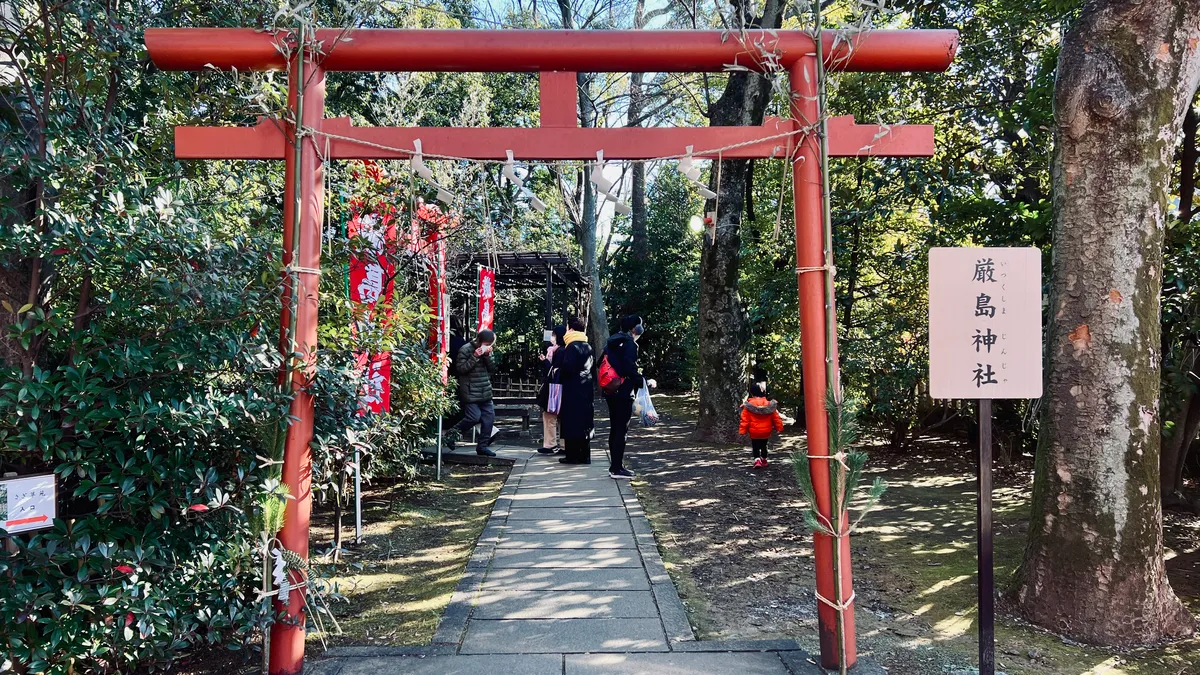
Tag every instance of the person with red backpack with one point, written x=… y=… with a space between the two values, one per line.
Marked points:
x=620 y=380
x=760 y=417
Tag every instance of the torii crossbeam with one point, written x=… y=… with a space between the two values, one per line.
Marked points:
x=557 y=55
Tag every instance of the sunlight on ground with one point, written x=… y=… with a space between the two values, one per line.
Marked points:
x=743 y=572
x=417 y=539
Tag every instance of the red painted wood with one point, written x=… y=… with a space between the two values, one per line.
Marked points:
x=549 y=50
x=301 y=218
x=558 y=98
x=266 y=141
x=810 y=252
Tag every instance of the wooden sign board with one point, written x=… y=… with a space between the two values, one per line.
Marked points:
x=985 y=323
x=28 y=503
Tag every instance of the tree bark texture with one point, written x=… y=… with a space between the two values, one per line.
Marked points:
x=639 y=240
x=1093 y=567
x=723 y=326
x=585 y=229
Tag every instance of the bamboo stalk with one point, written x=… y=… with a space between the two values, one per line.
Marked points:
x=831 y=369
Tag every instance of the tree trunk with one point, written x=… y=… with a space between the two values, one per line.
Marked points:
x=722 y=323
x=1093 y=567
x=1175 y=452
x=585 y=229
x=639 y=241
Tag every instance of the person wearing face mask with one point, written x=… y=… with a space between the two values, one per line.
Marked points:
x=474 y=365
x=551 y=365
x=622 y=355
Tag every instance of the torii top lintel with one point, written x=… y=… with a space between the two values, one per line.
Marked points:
x=619 y=51
x=557 y=55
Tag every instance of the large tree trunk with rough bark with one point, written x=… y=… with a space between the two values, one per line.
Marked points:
x=722 y=322
x=1093 y=568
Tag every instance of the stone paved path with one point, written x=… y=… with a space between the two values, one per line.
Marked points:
x=566 y=579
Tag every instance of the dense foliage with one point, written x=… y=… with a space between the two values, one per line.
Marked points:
x=140 y=362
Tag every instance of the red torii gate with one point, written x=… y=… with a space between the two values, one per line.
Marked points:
x=557 y=55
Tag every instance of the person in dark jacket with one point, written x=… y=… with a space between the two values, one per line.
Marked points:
x=456 y=343
x=551 y=364
x=475 y=364
x=578 y=415
x=622 y=353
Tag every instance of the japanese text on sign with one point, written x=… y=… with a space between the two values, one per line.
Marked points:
x=487 y=298
x=27 y=503
x=985 y=323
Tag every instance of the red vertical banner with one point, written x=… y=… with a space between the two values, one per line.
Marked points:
x=372 y=282
x=439 y=333
x=487 y=298
x=433 y=226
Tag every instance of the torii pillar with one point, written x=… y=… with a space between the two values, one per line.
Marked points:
x=557 y=55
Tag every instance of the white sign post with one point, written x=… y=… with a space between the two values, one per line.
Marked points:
x=28 y=503
x=985 y=343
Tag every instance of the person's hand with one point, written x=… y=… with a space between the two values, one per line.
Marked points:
x=541 y=357
x=480 y=351
x=652 y=384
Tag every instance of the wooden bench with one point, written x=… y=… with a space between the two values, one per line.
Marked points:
x=515 y=411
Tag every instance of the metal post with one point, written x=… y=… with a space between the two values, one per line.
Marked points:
x=987 y=618
x=810 y=255
x=439 y=449
x=303 y=205
x=357 y=498
x=549 y=297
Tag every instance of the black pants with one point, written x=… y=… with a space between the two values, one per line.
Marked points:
x=620 y=411
x=577 y=450
x=758 y=447
x=483 y=414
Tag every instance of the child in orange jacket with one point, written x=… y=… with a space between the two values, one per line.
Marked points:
x=760 y=417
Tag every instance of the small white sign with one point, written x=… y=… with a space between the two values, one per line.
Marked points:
x=985 y=323
x=28 y=503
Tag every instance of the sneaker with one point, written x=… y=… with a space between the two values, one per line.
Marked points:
x=621 y=473
x=765 y=463
x=758 y=462
x=486 y=452
x=546 y=451
x=564 y=460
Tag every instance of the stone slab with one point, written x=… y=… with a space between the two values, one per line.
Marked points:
x=567 y=558
x=565 y=605
x=564 y=540
x=559 y=526
x=675 y=664
x=801 y=663
x=531 y=579
x=525 y=664
x=601 y=513
x=738 y=646
x=380 y=651
x=534 y=500
x=557 y=636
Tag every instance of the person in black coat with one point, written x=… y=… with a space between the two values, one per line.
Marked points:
x=622 y=353
x=577 y=417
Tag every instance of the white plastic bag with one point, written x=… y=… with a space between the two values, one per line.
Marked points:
x=643 y=407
